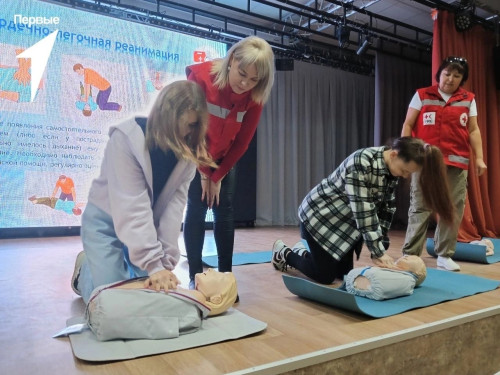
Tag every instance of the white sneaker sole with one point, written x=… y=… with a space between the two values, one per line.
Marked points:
x=76 y=272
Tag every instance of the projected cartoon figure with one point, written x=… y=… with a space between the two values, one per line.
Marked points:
x=87 y=107
x=67 y=187
x=70 y=207
x=15 y=81
x=155 y=83
x=67 y=199
x=93 y=79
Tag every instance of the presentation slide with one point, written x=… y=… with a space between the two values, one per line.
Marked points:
x=65 y=77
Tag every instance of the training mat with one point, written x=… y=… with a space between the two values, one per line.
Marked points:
x=470 y=252
x=241 y=258
x=229 y=326
x=439 y=286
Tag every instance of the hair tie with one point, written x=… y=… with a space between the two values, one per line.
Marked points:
x=426 y=146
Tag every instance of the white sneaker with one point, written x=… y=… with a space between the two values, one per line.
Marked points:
x=279 y=255
x=76 y=272
x=447 y=264
x=300 y=249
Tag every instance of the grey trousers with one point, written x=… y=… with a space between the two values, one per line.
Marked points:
x=445 y=237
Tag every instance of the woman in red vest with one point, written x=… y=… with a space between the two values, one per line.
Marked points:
x=444 y=115
x=236 y=88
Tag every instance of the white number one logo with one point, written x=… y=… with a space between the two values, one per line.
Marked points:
x=39 y=54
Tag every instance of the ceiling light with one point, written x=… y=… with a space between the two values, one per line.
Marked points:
x=342 y=34
x=364 y=46
x=464 y=15
x=463 y=20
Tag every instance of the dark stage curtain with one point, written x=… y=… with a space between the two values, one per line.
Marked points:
x=396 y=81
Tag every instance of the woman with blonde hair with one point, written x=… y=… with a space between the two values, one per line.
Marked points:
x=236 y=87
x=133 y=217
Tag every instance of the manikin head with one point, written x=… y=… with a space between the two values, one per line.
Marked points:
x=413 y=264
x=219 y=289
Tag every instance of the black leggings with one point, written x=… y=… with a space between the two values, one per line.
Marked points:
x=319 y=265
x=194 y=224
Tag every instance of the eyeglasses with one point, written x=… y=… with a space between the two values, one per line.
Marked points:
x=453 y=59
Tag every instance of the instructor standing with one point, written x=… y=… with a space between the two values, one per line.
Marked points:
x=236 y=88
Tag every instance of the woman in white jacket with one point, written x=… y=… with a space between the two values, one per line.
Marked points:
x=133 y=217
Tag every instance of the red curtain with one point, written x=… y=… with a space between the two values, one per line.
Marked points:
x=482 y=211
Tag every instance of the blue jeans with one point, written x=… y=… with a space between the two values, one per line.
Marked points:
x=194 y=224
x=106 y=257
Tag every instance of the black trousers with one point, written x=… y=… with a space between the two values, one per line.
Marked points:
x=194 y=224
x=319 y=265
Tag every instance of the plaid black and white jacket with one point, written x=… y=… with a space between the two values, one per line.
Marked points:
x=357 y=201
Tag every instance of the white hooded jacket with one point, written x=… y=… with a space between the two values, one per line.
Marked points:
x=124 y=190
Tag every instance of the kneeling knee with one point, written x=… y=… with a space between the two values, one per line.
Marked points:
x=326 y=279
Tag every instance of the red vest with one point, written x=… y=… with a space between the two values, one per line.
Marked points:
x=444 y=124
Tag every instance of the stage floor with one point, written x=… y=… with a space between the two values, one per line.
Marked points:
x=36 y=300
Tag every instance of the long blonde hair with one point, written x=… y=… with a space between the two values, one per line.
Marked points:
x=165 y=122
x=248 y=51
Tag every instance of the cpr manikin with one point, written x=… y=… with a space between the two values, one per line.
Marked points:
x=126 y=310
x=383 y=283
x=489 y=245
